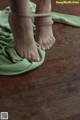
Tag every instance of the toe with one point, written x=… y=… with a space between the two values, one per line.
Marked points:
x=45 y=44
x=42 y=44
x=48 y=44
x=20 y=53
x=28 y=57
x=35 y=56
x=53 y=39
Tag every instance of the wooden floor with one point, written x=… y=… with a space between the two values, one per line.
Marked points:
x=51 y=92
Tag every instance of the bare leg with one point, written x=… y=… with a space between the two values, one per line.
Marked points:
x=44 y=34
x=22 y=30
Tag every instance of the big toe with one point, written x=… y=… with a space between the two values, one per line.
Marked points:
x=46 y=45
x=33 y=57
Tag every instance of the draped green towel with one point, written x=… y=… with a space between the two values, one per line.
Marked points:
x=10 y=62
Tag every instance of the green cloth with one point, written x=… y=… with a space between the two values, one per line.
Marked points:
x=10 y=62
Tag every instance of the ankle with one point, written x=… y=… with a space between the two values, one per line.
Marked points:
x=44 y=6
x=20 y=20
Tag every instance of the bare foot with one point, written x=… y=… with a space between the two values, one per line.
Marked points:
x=23 y=35
x=44 y=34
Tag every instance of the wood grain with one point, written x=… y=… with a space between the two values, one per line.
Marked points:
x=51 y=92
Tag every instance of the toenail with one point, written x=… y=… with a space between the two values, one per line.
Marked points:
x=38 y=59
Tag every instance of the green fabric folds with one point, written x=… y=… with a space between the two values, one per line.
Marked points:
x=10 y=62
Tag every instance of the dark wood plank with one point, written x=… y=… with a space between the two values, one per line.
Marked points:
x=51 y=92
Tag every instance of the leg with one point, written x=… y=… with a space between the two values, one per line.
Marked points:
x=44 y=34
x=22 y=30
